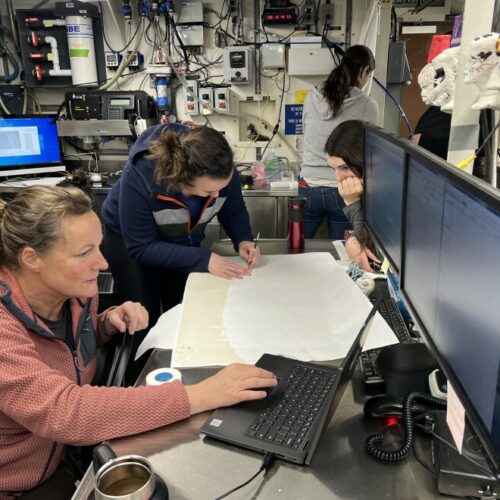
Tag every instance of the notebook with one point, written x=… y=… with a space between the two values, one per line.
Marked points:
x=289 y=422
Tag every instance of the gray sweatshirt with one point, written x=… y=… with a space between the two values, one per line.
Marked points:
x=319 y=123
x=354 y=213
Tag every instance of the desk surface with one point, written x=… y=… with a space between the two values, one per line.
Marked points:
x=195 y=467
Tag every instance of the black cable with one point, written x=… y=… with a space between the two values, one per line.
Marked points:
x=181 y=43
x=373 y=441
x=276 y=127
x=266 y=464
x=421 y=462
x=487 y=138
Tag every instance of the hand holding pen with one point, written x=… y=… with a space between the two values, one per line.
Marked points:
x=250 y=251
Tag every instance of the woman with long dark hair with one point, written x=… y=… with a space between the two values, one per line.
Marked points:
x=338 y=99
x=344 y=155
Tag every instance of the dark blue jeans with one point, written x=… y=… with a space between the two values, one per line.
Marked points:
x=324 y=202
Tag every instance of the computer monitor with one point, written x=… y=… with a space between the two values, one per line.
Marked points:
x=384 y=170
x=450 y=280
x=29 y=145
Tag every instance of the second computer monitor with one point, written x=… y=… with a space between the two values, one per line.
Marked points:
x=450 y=280
x=384 y=177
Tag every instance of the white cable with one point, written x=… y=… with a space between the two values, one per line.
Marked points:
x=126 y=59
x=4 y=108
x=25 y=100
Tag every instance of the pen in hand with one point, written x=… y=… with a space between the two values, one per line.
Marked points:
x=256 y=240
x=255 y=246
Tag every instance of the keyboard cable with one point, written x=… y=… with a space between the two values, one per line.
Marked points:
x=267 y=461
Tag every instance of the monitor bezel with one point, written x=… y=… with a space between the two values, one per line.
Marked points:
x=490 y=196
x=400 y=142
x=34 y=168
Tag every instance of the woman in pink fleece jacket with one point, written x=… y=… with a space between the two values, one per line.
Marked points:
x=49 y=333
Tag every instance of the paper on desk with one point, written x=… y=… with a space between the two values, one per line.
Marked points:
x=303 y=306
x=164 y=333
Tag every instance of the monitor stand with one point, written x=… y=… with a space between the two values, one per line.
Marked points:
x=457 y=475
x=32 y=171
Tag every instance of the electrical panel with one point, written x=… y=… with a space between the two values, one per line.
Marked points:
x=114 y=59
x=273 y=56
x=191 y=34
x=221 y=99
x=307 y=56
x=279 y=16
x=189 y=23
x=188 y=12
x=110 y=105
x=238 y=64
x=190 y=93
x=206 y=96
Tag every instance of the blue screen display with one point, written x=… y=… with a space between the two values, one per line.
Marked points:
x=452 y=276
x=383 y=198
x=26 y=141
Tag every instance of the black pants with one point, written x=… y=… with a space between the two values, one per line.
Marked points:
x=60 y=485
x=157 y=289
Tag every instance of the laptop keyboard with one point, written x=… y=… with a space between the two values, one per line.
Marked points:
x=288 y=420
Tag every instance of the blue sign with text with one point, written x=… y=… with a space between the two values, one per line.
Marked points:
x=293 y=119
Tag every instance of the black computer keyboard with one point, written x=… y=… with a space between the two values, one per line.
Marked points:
x=368 y=359
x=288 y=420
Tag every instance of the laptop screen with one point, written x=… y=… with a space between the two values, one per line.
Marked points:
x=28 y=142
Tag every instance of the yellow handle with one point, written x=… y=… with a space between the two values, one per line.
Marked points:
x=463 y=164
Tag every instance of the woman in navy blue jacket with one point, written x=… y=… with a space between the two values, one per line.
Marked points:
x=175 y=181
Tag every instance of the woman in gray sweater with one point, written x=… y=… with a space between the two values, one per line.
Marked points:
x=338 y=99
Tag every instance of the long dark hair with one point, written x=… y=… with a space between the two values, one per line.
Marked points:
x=346 y=142
x=199 y=152
x=345 y=76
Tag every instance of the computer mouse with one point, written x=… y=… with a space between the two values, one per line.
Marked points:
x=385 y=405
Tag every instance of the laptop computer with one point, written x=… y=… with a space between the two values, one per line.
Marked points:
x=29 y=144
x=289 y=422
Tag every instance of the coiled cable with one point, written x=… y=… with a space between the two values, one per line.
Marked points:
x=373 y=441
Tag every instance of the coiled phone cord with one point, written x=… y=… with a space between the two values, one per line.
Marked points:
x=373 y=441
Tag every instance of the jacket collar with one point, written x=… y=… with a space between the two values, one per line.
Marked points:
x=14 y=301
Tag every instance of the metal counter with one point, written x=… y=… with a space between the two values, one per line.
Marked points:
x=195 y=467
x=201 y=468
x=273 y=246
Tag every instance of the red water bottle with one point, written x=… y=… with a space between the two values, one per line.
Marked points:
x=296 y=217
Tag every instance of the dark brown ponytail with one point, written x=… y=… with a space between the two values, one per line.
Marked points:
x=345 y=76
x=199 y=152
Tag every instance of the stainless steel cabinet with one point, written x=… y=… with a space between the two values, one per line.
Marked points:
x=268 y=215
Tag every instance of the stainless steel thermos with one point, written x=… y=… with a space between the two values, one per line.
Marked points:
x=129 y=477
